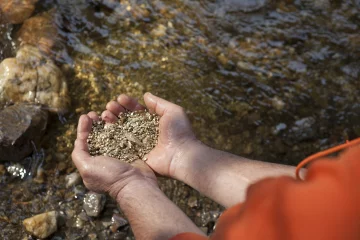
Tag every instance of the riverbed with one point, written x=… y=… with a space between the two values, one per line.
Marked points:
x=269 y=80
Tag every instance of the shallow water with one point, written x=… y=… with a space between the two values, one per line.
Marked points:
x=274 y=83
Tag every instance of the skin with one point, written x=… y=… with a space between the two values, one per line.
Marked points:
x=221 y=176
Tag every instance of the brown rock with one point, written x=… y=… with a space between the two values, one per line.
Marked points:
x=40 y=31
x=42 y=225
x=16 y=11
x=20 y=125
x=32 y=77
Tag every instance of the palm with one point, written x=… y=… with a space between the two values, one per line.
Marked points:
x=175 y=129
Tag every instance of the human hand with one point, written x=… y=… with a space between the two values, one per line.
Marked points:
x=175 y=130
x=106 y=174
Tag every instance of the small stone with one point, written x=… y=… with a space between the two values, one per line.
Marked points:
x=296 y=66
x=160 y=31
x=117 y=222
x=279 y=128
x=72 y=179
x=277 y=103
x=42 y=225
x=94 y=203
x=192 y=202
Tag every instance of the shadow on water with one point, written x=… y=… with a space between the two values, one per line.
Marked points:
x=273 y=80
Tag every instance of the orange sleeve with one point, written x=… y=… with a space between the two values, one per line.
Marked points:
x=326 y=205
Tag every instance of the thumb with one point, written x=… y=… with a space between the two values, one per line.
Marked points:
x=158 y=105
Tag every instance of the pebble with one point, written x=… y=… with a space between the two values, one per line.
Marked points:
x=279 y=128
x=94 y=203
x=42 y=225
x=277 y=103
x=192 y=202
x=72 y=179
x=159 y=31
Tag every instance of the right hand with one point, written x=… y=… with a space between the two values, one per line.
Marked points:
x=175 y=130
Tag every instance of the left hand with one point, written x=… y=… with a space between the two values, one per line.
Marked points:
x=106 y=174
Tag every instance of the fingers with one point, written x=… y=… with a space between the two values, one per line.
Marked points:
x=108 y=116
x=158 y=105
x=129 y=103
x=115 y=108
x=84 y=127
x=81 y=151
x=93 y=115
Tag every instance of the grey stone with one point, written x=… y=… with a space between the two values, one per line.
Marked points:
x=243 y=5
x=72 y=179
x=21 y=126
x=94 y=203
x=303 y=129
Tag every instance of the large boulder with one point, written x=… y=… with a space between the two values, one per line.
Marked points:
x=33 y=77
x=20 y=125
x=16 y=11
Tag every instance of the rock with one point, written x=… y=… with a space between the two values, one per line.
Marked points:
x=32 y=77
x=296 y=66
x=94 y=203
x=16 y=11
x=159 y=31
x=17 y=170
x=192 y=202
x=277 y=103
x=72 y=179
x=117 y=222
x=303 y=129
x=20 y=125
x=278 y=128
x=40 y=31
x=243 y=5
x=42 y=225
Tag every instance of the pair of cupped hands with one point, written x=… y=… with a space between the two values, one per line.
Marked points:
x=106 y=174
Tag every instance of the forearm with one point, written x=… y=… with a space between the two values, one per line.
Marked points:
x=151 y=214
x=222 y=176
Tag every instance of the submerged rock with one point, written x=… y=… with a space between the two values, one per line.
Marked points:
x=94 y=203
x=16 y=11
x=20 y=126
x=72 y=179
x=40 y=31
x=32 y=77
x=243 y=5
x=42 y=225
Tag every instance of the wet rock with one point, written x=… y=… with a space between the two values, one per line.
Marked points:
x=277 y=103
x=42 y=225
x=117 y=222
x=159 y=31
x=296 y=66
x=40 y=31
x=72 y=179
x=17 y=170
x=193 y=202
x=278 y=128
x=94 y=203
x=243 y=5
x=21 y=125
x=16 y=11
x=303 y=129
x=32 y=77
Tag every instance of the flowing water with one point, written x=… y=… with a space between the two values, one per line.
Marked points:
x=268 y=80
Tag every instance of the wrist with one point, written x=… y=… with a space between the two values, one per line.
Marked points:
x=186 y=157
x=133 y=188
